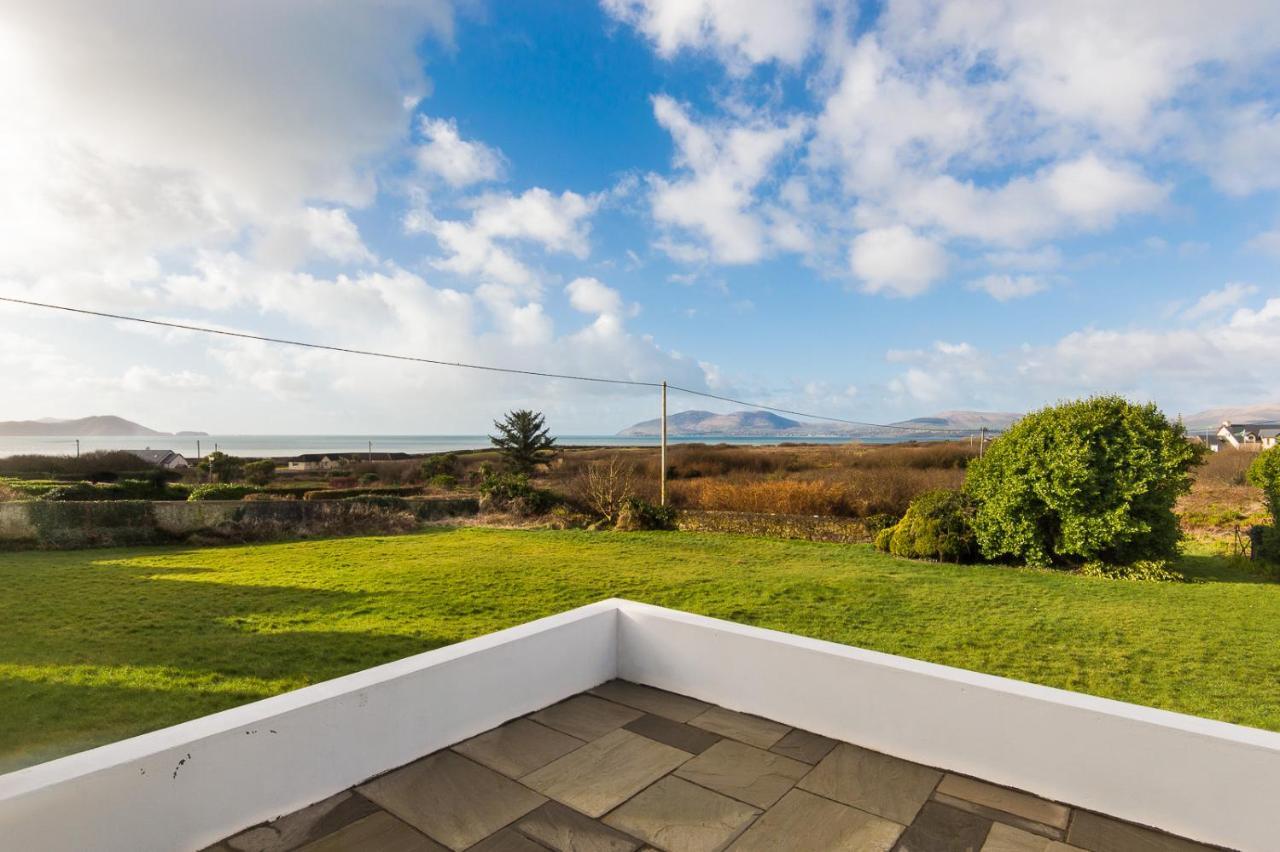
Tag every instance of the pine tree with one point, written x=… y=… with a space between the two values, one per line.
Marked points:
x=523 y=439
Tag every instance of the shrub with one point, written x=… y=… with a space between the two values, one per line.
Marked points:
x=512 y=492
x=1092 y=480
x=260 y=472
x=368 y=478
x=639 y=514
x=344 y=493
x=1264 y=473
x=381 y=501
x=605 y=486
x=222 y=491
x=445 y=464
x=938 y=525
x=1148 y=570
x=883 y=539
x=447 y=481
x=96 y=462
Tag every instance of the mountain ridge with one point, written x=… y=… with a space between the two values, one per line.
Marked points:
x=95 y=426
x=755 y=423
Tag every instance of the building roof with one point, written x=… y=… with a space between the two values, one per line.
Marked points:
x=352 y=455
x=153 y=456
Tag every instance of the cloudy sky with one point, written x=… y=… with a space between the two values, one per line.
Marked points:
x=873 y=210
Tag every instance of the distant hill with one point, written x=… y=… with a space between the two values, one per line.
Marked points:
x=1211 y=418
x=766 y=424
x=103 y=425
x=963 y=420
x=738 y=423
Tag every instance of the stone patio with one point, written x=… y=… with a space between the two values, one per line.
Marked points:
x=627 y=767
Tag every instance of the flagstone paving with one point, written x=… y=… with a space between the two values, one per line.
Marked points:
x=630 y=768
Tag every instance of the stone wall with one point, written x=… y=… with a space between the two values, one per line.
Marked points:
x=35 y=523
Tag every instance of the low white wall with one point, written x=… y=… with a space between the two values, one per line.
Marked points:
x=193 y=784
x=1206 y=780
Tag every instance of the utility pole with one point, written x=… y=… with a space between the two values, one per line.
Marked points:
x=77 y=448
x=663 y=499
x=371 y=452
x=982 y=441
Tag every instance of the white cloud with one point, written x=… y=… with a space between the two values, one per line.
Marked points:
x=896 y=261
x=1216 y=301
x=448 y=156
x=591 y=296
x=136 y=130
x=724 y=163
x=1267 y=241
x=739 y=31
x=1230 y=357
x=1003 y=288
x=481 y=246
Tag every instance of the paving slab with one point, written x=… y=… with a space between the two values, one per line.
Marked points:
x=803 y=746
x=453 y=800
x=1099 y=833
x=565 y=830
x=752 y=730
x=877 y=783
x=586 y=717
x=379 y=830
x=519 y=747
x=507 y=840
x=681 y=736
x=804 y=821
x=606 y=772
x=942 y=828
x=681 y=817
x=744 y=772
x=1014 y=802
x=681 y=708
x=1007 y=838
x=293 y=830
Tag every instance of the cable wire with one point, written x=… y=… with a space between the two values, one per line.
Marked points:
x=343 y=349
x=485 y=367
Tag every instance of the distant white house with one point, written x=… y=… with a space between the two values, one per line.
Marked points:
x=162 y=458
x=1249 y=436
x=314 y=461
x=330 y=461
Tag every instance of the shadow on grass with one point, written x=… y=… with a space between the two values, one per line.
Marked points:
x=156 y=650
x=1205 y=568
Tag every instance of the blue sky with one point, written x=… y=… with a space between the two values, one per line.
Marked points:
x=875 y=211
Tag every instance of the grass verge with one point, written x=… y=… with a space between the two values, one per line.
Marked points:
x=103 y=644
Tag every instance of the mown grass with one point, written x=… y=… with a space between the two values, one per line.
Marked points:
x=103 y=644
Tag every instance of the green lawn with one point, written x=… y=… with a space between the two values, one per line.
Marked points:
x=103 y=644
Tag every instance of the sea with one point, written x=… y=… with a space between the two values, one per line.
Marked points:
x=275 y=446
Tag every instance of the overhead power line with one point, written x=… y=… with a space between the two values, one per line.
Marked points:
x=461 y=364
x=343 y=349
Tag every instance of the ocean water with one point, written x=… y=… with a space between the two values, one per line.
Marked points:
x=292 y=445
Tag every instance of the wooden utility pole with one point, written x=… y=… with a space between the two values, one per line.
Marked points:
x=371 y=452
x=663 y=497
x=77 y=448
x=982 y=441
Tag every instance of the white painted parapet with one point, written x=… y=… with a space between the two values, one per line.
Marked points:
x=190 y=785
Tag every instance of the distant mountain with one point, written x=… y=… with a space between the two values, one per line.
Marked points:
x=738 y=423
x=963 y=420
x=766 y=424
x=1211 y=418
x=103 y=425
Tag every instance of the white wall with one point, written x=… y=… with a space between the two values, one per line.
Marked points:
x=193 y=784
x=1206 y=780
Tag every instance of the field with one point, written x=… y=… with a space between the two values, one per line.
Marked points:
x=102 y=644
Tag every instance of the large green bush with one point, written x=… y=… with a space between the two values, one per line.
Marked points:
x=937 y=525
x=1091 y=480
x=1264 y=472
